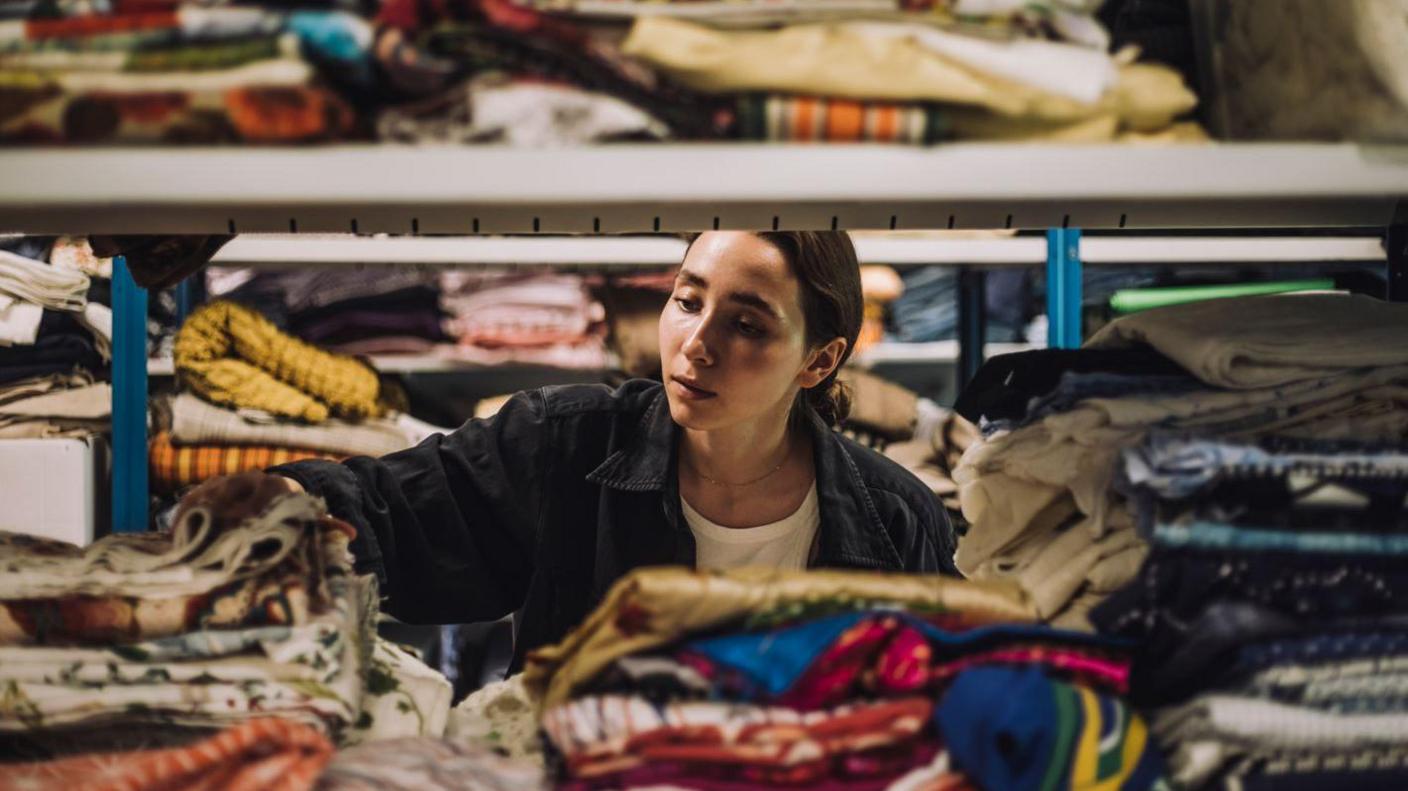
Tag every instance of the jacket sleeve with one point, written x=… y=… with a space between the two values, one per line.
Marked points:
x=448 y=527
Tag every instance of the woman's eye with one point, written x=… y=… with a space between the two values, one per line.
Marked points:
x=750 y=330
x=687 y=305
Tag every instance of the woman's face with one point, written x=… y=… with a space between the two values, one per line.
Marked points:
x=733 y=336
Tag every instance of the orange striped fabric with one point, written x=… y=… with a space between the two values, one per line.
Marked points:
x=266 y=754
x=836 y=120
x=176 y=466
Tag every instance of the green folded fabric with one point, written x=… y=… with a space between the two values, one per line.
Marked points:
x=1134 y=300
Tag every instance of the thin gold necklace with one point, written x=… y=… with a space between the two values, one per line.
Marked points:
x=786 y=453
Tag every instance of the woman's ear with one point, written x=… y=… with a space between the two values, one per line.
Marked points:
x=822 y=362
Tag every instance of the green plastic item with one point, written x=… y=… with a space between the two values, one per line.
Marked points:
x=1133 y=300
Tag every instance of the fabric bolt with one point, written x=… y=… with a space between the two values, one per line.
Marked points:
x=803 y=119
x=427 y=764
x=1018 y=729
x=652 y=607
x=829 y=660
x=196 y=422
x=784 y=544
x=1269 y=340
x=602 y=737
x=110 y=587
x=232 y=356
x=174 y=467
x=496 y=109
x=312 y=677
x=267 y=753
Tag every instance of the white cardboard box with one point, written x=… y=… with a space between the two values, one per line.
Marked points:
x=55 y=488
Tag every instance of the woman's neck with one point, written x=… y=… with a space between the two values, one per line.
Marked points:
x=739 y=453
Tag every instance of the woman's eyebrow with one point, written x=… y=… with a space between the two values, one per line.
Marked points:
x=749 y=298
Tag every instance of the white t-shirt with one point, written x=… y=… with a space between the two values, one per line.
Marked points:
x=784 y=544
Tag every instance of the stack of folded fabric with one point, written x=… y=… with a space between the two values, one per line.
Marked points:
x=906 y=72
x=544 y=319
x=351 y=310
x=257 y=397
x=53 y=345
x=1271 y=611
x=247 y=609
x=760 y=678
x=165 y=71
x=1039 y=489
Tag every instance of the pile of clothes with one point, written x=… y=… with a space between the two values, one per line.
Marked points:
x=1271 y=612
x=254 y=397
x=247 y=609
x=55 y=345
x=553 y=72
x=539 y=318
x=826 y=679
x=1039 y=489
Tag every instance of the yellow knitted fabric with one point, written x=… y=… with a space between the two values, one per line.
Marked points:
x=231 y=355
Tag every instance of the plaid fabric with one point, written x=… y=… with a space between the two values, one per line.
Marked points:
x=174 y=467
x=814 y=119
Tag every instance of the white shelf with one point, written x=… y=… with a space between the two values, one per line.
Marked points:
x=640 y=188
x=273 y=250
x=938 y=352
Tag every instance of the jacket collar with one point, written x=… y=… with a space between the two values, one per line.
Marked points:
x=851 y=534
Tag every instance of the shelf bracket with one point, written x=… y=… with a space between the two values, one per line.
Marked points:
x=129 y=401
x=972 y=322
x=1063 y=288
x=1396 y=243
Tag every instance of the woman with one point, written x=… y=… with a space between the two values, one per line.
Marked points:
x=730 y=462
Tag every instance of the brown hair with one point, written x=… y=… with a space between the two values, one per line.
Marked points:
x=825 y=264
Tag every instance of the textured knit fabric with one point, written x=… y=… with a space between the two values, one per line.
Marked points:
x=260 y=755
x=174 y=467
x=233 y=356
x=652 y=607
x=1020 y=731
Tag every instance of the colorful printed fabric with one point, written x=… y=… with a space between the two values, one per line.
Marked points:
x=1020 y=731
x=403 y=697
x=426 y=764
x=259 y=755
x=175 y=467
x=830 y=660
x=602 y=737
x=273 y=569
x=650 y=608
x=801 y=119
x=313 y=674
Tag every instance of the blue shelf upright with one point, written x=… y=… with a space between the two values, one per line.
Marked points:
x=1063 y=288
x=129 y=401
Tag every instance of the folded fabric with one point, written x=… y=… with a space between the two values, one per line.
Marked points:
x=174 y=467
x=494 y=109
x=197 y=422
x=850 y=60
x=39 y=385
x=1265 y=341
x=879 y=405
x=428 y=764
x=267 y=753
x=830 y=660
x=91 y=401
x=181 y=57
x=1005 y=385
x=301 y=291
x=403 y=698
x=312 y=673
x=61 y=346
x=1018 y=729
x=588 y=354
x=651 y=607
x=801 y=119
x=271 y=570
x=356 y=324
x=39 y=284
x=233 y=356
x=500 y=716
x=602 y=737
x=494 y=309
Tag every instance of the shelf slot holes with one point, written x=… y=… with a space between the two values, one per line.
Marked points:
x=775 y=223
x=894 y=221
x=415 y=225
x=1065 y=221
x=354 y=225
x=657 y=225
x=834 y=222
x=596 y=225
x=292 y=225
x=1123 y=219
x=950 y=221
x=1008 y=224
x=536 y=225
x=475 y=225
x=231 y=225
x=716 y=223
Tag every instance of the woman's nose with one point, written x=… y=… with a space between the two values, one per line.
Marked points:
x=696 y=345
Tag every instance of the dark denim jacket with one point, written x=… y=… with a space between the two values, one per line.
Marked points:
x=565 y=490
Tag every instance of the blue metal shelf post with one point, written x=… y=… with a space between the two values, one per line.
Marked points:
x=129 y=401
x=1063 y=288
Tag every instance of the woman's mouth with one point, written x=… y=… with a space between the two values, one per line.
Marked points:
x=687 y=389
